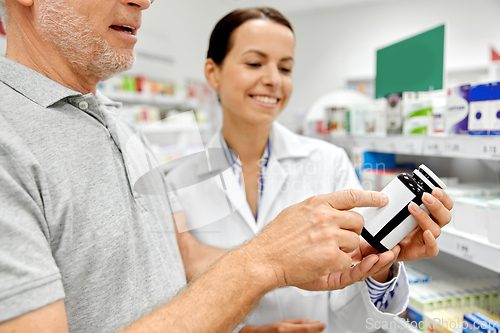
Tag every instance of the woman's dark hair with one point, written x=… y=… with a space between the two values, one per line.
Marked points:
x=220 y=40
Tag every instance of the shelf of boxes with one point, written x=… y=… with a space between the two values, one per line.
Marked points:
x=472 y=248
x=160 y=100
x=463 y=146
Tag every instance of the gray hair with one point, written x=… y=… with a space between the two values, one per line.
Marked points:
x=3 y=13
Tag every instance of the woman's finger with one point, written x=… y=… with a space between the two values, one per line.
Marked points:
x=437 y=209
x=424 y=220
x=431 y=247
x=443 y=197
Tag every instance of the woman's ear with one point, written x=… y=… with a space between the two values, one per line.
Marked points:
x=212 y=73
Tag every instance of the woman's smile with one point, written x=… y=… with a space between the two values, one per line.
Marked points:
x=266 y=100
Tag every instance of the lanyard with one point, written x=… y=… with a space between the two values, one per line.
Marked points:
x=237 y=167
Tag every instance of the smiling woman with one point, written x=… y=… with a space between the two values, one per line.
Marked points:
x=250 y=60
x=249 y=63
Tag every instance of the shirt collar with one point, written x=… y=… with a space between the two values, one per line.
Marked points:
x=234 y=160
x=31 y=84
x=104 y=100
x=285 y=143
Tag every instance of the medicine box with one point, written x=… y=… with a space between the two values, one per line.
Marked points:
x=479 y=112
x=457 y=110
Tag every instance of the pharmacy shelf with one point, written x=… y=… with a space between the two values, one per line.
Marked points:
x=159 y=100
x=472 y=248
x=463 y=146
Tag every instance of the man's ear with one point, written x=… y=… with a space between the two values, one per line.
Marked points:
x=212 y=71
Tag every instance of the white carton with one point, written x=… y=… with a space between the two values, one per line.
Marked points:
x=494 y=221
x=471 y=215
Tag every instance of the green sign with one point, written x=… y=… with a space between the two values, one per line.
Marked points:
x=415 y=64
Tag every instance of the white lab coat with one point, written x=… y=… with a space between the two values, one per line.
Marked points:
x=299 y=167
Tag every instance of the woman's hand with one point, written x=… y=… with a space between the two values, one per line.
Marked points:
x=421 y=242
x=287 y=326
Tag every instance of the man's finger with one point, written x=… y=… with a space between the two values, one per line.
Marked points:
x=342 y=263
x=384 y=259
x=352 y=221
x=348 y=199
x=347 y=241
x=359 y=272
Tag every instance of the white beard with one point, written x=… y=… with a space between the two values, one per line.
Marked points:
x=87 y=53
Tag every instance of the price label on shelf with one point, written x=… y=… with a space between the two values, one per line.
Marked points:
x=391 y=145
x=454 y=147
x=490 y=148
x=410 y=146
x=434 y=147
x=464 y=248
x=372 y=144
x=386 y=146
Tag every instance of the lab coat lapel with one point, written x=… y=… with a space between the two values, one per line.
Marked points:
x=274 y=181
x=285 y=145
x=234 y=191
x=237 y=197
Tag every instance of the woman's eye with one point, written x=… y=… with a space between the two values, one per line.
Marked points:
x=253 y=64
x=285 y=70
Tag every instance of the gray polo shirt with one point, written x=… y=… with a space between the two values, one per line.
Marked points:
x=73 y=225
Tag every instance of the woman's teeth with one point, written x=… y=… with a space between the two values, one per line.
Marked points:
x=265 y=99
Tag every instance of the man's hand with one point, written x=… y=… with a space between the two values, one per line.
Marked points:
x=287 y=326
x=313 y=238
x=367 y=265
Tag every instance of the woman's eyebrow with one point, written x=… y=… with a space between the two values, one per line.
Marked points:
x=263 y=55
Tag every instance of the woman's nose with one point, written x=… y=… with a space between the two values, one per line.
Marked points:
x=272 y=77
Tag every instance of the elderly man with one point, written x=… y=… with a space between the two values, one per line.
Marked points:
x=81 y=250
